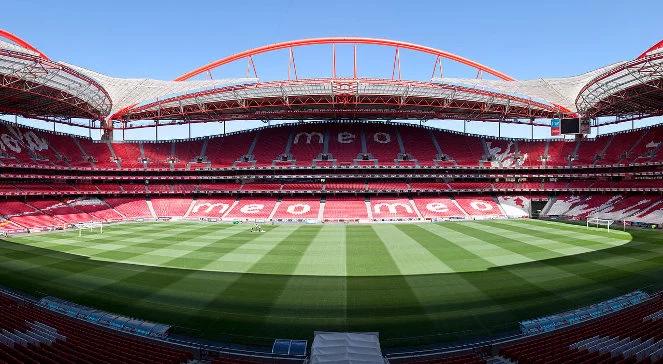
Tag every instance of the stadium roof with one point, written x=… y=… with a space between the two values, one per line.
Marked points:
x=35 y=86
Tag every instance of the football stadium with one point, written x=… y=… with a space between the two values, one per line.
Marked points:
x=346 y=228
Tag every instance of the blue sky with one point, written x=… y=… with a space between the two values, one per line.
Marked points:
x=525 y=39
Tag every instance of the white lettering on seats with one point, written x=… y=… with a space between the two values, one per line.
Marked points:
x=481 y=206
x=345 y=137
x=437 y=207
x=35 y=142
x=309 y=137
x=210 y=206
x=392 y=207
x=11 y=143
x=382 y=138
x=252 y=208
x=298 y=209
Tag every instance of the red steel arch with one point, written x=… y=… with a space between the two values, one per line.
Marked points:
x=343 y=40
x=652 y=48
x=14 y=38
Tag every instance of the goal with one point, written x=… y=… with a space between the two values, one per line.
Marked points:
x=599 y=222
x=91 y=227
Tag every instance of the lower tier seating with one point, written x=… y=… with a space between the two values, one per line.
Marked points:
x=31 y=334
x=632 y=335
x=47 y=214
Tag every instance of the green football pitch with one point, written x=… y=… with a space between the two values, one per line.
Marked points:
x=414 y=283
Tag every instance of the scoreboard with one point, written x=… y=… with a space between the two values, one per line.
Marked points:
x=569 y=126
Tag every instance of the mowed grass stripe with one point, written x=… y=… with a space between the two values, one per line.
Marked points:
x=551 y=276
x=69 y=240
x=182 y=244
x=366 y=254
x=489 y=251
x=245 y=255
x=528 y=249
x=97 y=281
x=454 y=256
x=126 y=248
x=250 y=297
x=326 y=255
x=571 y=234
x=407 y=253
x=543 y=240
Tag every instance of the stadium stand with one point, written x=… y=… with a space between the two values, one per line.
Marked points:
x=252 y=209
x=393 y=209
x=346 y=144
x=210 y=207
x=293 y=209
x=631 y=335
x=345 y=209
x=480 y=207
x=130 y=208
x=171 y=207
x=31 y=334
x=439 y=208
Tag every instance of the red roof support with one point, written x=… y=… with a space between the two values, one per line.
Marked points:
x=14 y=38
x=652 y=48
x=344 y=40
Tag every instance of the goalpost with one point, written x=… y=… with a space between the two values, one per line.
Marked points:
x=90 y=226
x=599 y=222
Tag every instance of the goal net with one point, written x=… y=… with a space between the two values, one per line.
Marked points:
x=595 y=221
x=93 y=227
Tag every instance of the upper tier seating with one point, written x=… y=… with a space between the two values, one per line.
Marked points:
x=224 y=152
x=186 y=152
x=344 y=143
x=157 y=154
x=270 y=145
x=560 y=153
x=649 y=147
x=465 y=150
x=382 y=143
x=100 y=153
x=129 y=154
x=532 y=153
x=590 y=151
x=418 y=143
x=365 y=144
x=502 y=153
x=307 y=144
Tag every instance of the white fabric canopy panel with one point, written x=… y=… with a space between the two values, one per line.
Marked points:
x=346 y=347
